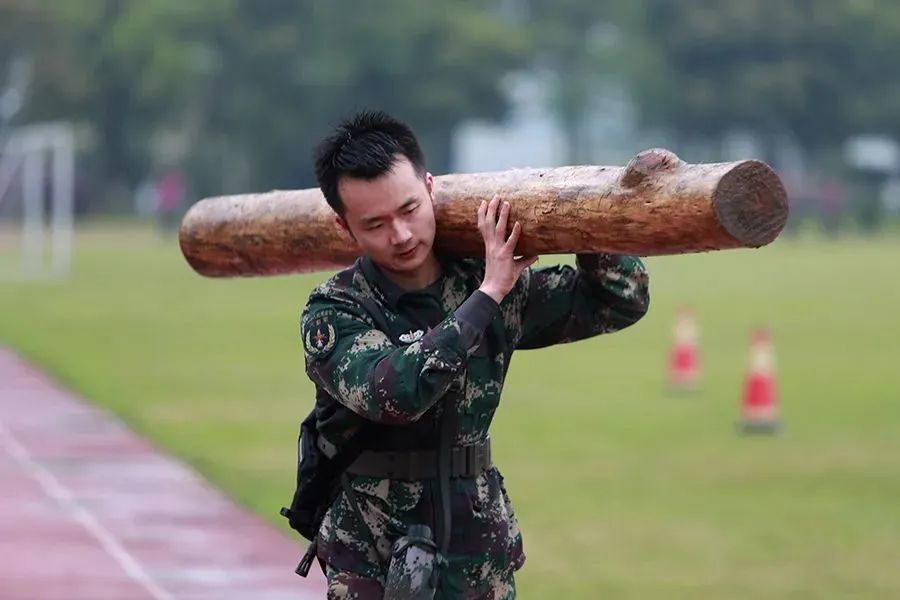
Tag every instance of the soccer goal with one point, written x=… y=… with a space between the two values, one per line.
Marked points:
x=37 y=164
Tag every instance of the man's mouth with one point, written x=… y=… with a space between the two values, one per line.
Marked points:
x=407 y=253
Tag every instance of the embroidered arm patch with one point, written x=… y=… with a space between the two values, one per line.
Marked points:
x=319 y=336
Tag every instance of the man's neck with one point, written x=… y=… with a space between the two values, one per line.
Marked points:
x=421 y=278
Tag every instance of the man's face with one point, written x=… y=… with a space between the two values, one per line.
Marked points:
x=391 y=217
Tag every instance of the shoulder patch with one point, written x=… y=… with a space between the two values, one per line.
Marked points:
x=319 y=336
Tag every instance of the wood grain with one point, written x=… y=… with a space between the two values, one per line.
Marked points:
x=655 y=205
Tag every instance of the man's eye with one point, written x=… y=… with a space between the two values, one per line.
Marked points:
x=375 y=226
x=410 y=209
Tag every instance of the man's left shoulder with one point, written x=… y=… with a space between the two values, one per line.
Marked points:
x=465 y=267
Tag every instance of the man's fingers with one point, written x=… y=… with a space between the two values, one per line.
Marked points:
x=503 y=220
x=514 y=237
x=482 y=208
x=491 y=215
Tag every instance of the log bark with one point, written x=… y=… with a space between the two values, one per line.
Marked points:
x=655 y=205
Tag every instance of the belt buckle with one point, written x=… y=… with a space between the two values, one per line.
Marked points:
x=477 y=460
x=474 y=460
x=483 y=457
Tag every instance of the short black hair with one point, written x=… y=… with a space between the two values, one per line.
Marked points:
x=365 y=146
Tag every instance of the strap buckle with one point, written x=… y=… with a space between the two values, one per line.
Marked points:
x=470 y=461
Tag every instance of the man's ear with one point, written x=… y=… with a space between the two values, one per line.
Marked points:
x=429 y=184
x=342 y=225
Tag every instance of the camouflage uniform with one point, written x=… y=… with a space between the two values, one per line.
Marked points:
x=445 y=339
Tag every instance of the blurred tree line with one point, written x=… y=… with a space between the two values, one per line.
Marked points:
x=236 y=91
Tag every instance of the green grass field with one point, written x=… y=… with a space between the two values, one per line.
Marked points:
x=621 y=491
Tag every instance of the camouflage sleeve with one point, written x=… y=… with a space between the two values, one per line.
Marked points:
x=364 y=370
x=605 y=293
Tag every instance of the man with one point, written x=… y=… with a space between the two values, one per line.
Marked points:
x=412 y=348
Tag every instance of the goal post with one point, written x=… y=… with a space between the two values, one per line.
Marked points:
x=37 y=160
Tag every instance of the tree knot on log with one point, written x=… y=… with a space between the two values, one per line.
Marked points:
x=646 y=163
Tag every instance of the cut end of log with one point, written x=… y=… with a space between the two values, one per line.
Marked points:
x=751 y=203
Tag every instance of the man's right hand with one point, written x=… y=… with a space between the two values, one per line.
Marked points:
x=502 y=268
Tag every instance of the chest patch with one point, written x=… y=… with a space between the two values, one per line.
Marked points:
x=411 y=336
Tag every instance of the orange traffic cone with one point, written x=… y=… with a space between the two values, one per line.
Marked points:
x=760 y=405
x=684 y=359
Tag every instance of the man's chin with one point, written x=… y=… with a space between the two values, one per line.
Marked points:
x=408 y=264
x=411 y=263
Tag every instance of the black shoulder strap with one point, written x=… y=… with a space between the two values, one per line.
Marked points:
x=448 y=429
x=444 y=514
x=375 y=311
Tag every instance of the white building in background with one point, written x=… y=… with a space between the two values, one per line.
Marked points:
x=532 y=137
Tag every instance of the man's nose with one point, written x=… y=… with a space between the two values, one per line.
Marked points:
x=401 y=233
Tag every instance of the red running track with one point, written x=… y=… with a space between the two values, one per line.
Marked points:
x=90 y=511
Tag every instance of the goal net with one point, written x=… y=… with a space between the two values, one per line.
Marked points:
x=36 y=201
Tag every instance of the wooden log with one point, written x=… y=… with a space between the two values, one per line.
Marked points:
x=655 y=205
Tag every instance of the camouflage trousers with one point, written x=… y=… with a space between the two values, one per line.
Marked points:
x=346 y=585
x=485 y=546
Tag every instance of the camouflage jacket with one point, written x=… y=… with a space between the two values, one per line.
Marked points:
x=394 y=373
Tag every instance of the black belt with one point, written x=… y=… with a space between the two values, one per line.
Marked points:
x=465 y=461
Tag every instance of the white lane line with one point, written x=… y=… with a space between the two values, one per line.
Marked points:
x=61 y=494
